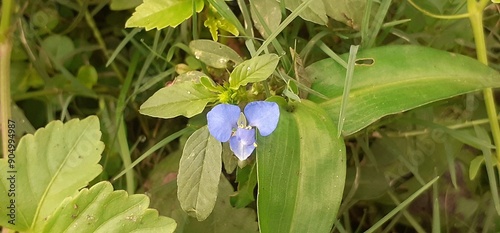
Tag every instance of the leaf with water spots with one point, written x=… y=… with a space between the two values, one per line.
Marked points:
x=100 y=209
x=187 y=98
x=214 y=54
x=50 y=165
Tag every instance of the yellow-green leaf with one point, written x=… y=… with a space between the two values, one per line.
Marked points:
x=163 y=13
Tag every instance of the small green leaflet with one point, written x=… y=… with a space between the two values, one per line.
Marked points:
x=254 y=70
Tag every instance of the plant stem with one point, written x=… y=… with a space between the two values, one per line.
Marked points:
x=5 y=52
x=475 y=10
x=460 y=16
x=100 y=41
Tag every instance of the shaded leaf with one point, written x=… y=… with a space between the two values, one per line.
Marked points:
x=199 y=173
x=349 y=12
x=247 y=180
x=44 y=161
x=400 y=78
x=270 y=12
x=162 y=13
x=100 y=209
x=315 y=12
x=118 y=5
x=58 y=46
x=296 y=167
x=87 y=75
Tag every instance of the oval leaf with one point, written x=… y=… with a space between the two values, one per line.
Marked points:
x=100 y=209
x=269 y=12
x=303 y=161
x=401 y=77
x=44 y=161
x=187 y=98
x=199 y=174
x=214 y=54
x=254 y=70
x=162 y=13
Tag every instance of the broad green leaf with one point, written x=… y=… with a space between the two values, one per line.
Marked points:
x=400 y=78
x=254 y=70
x=100 y=209
x=118 y=5
x=51 y=165
x=187 y=98
x=214 y=54
x=301 y=172
x=163 y=13
x=199 y=173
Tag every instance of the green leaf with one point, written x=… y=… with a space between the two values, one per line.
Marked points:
x=199 y=174
x=163 y=13
x=223 y=219
x=400 y=78
x=247 y=180
x=100 y=209
x=215 y=22
x=254 y=70
x=87 y=75
x=228 y=159
x=349 y=12
x=187 y=98
x=270 y=12
x=58 y=47
x=315 y=12
x=118 y=5
x=51 y=165
x=301 y=172
x=474 y=166
x=214 y=54
x=46 y=19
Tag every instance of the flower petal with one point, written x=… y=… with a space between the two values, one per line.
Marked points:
x=243 y=143
x=222 y=120
x=263 y=115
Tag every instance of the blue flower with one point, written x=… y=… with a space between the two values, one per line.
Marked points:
x=226 y=122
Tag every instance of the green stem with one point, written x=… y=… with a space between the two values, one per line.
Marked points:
x=5 y=53
x=475 y=10
x=100 y=41
x=5 y=20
